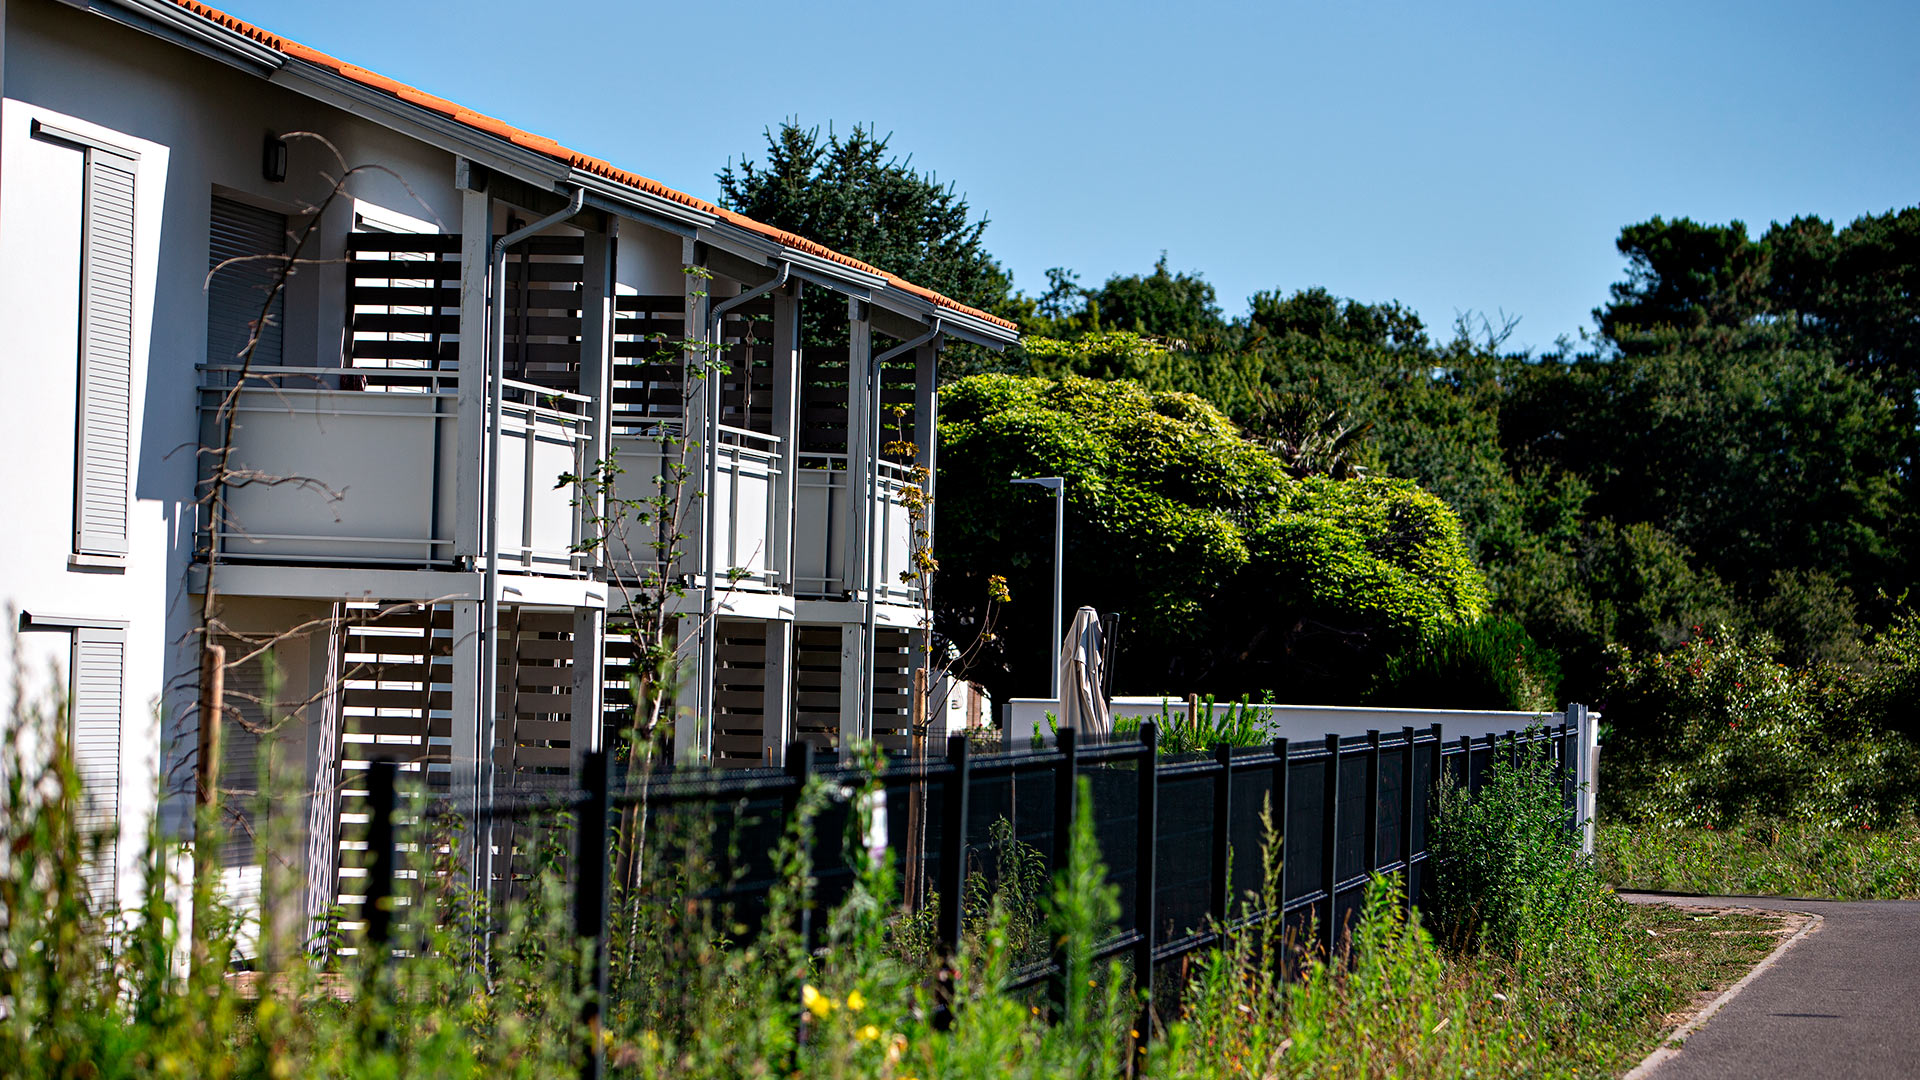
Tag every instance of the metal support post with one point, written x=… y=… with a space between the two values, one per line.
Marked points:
x=1222 y=892
x=591 y=842
x=1330 y=846
x=1146 y=857
x=953 y=871
x=1066 y=799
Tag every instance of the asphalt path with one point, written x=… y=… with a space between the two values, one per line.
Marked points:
x=1844 y=1001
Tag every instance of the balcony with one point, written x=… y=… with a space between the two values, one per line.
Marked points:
x=331 y=467
x=746 y=545
x=823 y=514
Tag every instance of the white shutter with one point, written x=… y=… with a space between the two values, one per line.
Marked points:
x=106 y=356
x=235 y=294
x=99 y=658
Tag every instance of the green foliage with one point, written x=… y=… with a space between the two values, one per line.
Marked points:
x=1765 y=857
x=1719 y=730
x=1510 y=874
x=1179 y=307
x=1227 y=571
x=1237 y=723
x=1490 y=664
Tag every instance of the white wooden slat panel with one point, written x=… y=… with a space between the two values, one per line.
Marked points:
x=98 y=674
x=236 y=293
x=106 y=357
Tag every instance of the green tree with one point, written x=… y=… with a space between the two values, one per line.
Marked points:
x=1180 y=307
x=856 y=196
x=1230 y=575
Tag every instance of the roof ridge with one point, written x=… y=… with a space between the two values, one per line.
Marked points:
x=573 y=158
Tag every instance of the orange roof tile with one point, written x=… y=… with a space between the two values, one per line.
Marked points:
x=573 y=158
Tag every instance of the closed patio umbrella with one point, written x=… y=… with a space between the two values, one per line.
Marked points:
x=1083 y=699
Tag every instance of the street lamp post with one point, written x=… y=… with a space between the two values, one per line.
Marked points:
x=1058 y=485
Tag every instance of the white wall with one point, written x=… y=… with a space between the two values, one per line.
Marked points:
x=197 y=125
x=1301 y=723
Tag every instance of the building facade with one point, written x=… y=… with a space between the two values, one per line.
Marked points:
x=394 y=485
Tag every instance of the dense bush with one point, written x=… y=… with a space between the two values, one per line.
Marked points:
x=1228 y=572
x=1490 y=664
x=1719 y=729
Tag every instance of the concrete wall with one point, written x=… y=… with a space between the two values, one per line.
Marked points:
x=1296 y=722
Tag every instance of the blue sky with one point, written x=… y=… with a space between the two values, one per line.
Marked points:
x=1454 y=157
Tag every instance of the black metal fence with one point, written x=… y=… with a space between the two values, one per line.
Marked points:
x=1182 y=837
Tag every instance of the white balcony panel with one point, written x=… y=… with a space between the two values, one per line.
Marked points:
x=743 y=547
x=338 y=475
x=819 y=532
x=538 y=519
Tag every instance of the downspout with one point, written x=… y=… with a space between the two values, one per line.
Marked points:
x=490 y=588
x=716 y=383
x=868 y=701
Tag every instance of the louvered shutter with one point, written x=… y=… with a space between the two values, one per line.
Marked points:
x=235 y=294
x=106 y=356
x=99 y=659
x=246 y=715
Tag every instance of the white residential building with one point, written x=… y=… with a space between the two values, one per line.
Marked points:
x=143 y=142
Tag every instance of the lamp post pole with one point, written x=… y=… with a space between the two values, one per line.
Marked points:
x=1058 y=485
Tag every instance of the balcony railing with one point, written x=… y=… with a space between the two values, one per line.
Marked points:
x=745 y=545
x=327 y=468
x=822 y=516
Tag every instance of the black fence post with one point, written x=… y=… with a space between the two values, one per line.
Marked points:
x=590 y=901
x=1466 y=763
x=800 y=770
x=952 y=875
x=1222 y=898
x=1330 y=844
x=1436 y=776
x=1370 y=839
x=1146 y=854
x=1406 y=818
x=1513 y=749
x=1066 y=798
x=383 y=783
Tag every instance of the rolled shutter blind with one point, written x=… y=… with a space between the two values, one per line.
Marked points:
x=98 y=664
x=234 y=295
x=106 y=356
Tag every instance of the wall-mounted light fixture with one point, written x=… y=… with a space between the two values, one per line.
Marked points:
x=273 y=159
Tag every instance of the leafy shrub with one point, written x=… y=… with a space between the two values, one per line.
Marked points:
x=1228 y=572
x=1510 y=876
x=1718 y=730
x=1490 y=664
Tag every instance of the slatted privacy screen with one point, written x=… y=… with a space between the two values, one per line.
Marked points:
x=543 y=297
x=649 y=371
x=740 y=694
x=106 y=355
x=394 y=703
x=237 y=293
x=403 y=292
x=747 y=375
x=98 y=696
x=816 y=678
x=823 y=399
x=893 y=689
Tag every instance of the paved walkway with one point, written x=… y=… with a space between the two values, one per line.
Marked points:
x=1843 y=1002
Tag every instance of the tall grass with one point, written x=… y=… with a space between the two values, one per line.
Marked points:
x=1558 y=984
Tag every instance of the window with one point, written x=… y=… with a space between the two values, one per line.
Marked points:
x=235 y=294
x=101 y=466
x=99 y=662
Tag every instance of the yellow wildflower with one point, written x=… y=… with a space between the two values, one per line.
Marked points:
x=856 y=1001
x=816 y=1002
x=869 y=1033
